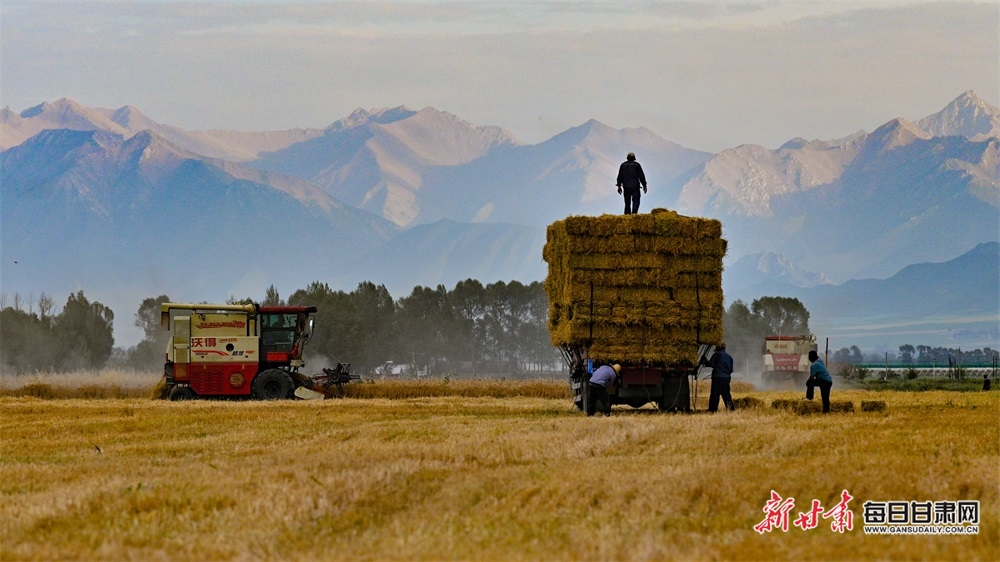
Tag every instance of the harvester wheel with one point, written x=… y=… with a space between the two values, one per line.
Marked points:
x=178 y=393
x=273 y=384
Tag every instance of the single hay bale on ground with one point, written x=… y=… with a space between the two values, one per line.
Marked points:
x=783 y=404
x=841 y=406
x=872 y=406
x=803 y=407
x=747 y=402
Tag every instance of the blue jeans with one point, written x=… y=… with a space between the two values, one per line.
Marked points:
x=632 y=201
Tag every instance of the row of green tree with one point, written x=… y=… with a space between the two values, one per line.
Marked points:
x=921 y=355
x=499 y=327
x=80 y=336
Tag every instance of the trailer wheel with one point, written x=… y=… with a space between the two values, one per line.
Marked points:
x=273 y=384
x=179 y=393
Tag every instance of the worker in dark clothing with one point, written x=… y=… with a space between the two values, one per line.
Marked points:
x=598 y=386
x=819 y=376
x=630 y=178
x=986 y=382
x=722 y=374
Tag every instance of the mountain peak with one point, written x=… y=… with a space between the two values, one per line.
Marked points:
x=897 y=132
x=61 y=106
x=131 y=118
x=968 y=116
x=361 y=117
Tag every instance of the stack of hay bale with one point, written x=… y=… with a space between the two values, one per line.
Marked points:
x=638 y=289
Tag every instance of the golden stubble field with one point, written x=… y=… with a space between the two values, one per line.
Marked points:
x=480 y=478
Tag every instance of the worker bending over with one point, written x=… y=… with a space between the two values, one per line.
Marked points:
x=599 y=383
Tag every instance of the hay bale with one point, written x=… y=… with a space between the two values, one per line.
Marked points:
x=747 y=402
x=803 y=406
x=800 y=406
x=872 y=406
x=636 y=288
x=782 y=404
x=841 y=406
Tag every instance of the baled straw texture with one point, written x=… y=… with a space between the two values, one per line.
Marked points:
x=636 y=288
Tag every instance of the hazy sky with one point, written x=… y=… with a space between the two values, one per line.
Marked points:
x=708 y=75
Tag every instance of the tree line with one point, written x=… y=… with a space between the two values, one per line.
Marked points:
x=79 y=337
x=923 y=355
x=499 y=328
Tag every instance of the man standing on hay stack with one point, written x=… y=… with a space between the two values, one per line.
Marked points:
x=630 y=177
x=722 y=374
x=819 y=376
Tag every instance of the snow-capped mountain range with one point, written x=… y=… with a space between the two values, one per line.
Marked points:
x=109 y=200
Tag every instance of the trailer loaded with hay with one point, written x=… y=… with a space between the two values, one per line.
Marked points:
x=642 y=291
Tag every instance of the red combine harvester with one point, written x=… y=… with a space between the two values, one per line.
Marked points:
x=242 y=350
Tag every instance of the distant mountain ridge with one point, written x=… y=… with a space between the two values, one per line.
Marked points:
x=891 y=196
x=130 y=218
x=377 y=160
x=126 y=121
x=409 y=197
x=960 y=297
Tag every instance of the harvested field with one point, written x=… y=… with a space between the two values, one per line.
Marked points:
x=481 y=478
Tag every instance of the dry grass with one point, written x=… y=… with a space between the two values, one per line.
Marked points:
x=401 y=389
x=479 y=478
x=80 y=384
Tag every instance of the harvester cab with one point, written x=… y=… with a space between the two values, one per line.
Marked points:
x=238 y=350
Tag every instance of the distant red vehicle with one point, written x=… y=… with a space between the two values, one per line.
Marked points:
x=787 y=357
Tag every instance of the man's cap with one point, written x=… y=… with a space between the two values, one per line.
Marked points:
x=631 y=156
x=617 y=368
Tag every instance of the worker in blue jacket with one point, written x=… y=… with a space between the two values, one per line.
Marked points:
x=819 y=376
x=722 y=374
x=598 y=385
